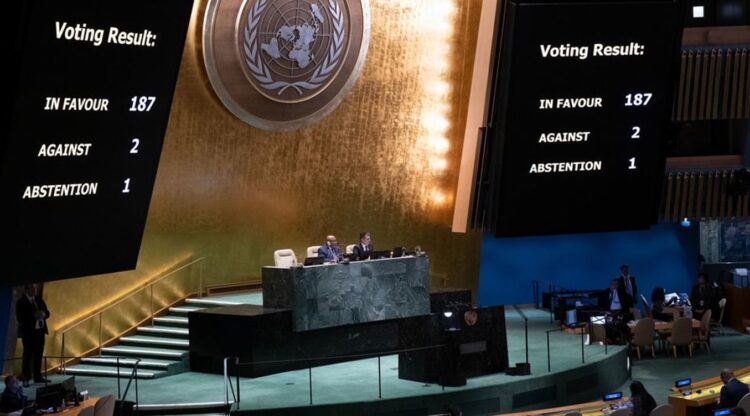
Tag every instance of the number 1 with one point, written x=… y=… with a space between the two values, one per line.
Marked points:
x=126 y=189
x=632 y=163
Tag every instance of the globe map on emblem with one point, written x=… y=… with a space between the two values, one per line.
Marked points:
x=292 y=48
x=281 y=65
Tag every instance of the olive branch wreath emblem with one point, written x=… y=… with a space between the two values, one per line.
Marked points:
x=260 y=71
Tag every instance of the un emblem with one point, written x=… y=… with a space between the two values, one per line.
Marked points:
x=284 y=64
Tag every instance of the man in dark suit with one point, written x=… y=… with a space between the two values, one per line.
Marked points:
x=364 y=248
x=627 y=282
x=618 y=298
x=32 y=314
x=12 y=398
x=330 y=251
x=732 y=391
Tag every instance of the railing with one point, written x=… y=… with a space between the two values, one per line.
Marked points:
x=173 y=287
x=233 y=391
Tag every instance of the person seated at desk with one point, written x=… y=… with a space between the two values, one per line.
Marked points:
x=330 y=251
x=12 y=398
x=702 y=296
x=732 y=391
x=657 y=305
x=362 y=250
x=640 y=400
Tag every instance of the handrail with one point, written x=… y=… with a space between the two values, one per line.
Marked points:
x=133 y=375
x=126 y=296
x=228 y=384
x=236 y=398
x=526 y=329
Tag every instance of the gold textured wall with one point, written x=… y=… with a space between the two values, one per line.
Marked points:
x=385 y=161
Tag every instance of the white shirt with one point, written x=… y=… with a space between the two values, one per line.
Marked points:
x=39 y=324
x=614 y=300
x=628 y=285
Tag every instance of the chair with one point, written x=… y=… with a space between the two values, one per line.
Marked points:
x=646 y=307
x=284 y=258
x=744 y=403
x=89 y=411
x=636 y=313
x=643 y=335
x=350 y=248
x=105 y=406
x=682 y=335
x=717 y=323
x=663 y=410
x=312 y=251
x=598 y=333
x=622 y=412
x=704 y=333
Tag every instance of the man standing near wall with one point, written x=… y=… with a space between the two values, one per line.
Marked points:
x=628 y=283
x=32 y=314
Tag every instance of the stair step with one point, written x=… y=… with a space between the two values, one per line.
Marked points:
x=130 y=350
x=128 y=362
x=164 y=331
x=210 y=302
x=157 y=341
x=173 y=321
x=183 y=310
x=94 y=370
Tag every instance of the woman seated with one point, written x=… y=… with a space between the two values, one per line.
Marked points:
x=657 y=305
x=640 y=400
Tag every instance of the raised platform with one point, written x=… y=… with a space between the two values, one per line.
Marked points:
x=352 y=387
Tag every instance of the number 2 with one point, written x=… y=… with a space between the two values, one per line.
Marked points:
x=636 y=133
x=136 y=143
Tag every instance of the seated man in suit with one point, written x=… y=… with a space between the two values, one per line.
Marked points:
x=330 y=251
x=364 y=248
x=732 y=391
x=12 y=398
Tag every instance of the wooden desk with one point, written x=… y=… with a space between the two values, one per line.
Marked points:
x=75 y=410
x=702 y=403
x=586 y=409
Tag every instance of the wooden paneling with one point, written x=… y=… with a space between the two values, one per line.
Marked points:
x=714 y=84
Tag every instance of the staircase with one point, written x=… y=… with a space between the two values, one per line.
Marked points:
x=163 y=348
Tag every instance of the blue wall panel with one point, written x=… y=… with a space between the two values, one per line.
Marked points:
x=666 y=255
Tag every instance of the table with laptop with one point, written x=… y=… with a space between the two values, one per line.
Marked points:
x=700 y=398
x=61 y=398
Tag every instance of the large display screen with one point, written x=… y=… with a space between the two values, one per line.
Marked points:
x=93 y=91
x=583 y=96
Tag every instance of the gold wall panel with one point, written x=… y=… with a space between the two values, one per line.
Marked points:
x=235 y=193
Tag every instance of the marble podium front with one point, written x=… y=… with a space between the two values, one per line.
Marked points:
x=340 y=294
